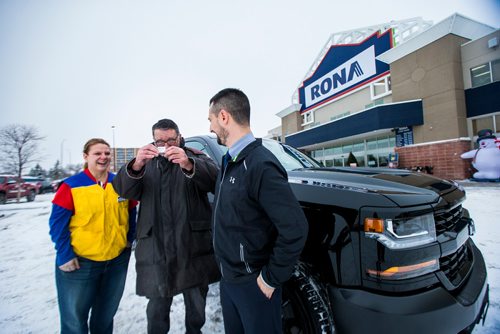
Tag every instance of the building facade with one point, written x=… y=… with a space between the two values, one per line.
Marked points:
x=120 y=156
x=407 y=94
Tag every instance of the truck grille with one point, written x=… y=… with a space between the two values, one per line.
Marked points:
x=456 y=266
x=446 y=221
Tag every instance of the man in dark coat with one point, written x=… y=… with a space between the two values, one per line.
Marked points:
x=174 y=251
x=259 y=228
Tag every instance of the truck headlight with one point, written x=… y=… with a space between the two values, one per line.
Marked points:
x=404 y=272
x=401 y=233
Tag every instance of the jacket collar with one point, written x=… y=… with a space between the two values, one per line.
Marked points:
x=248 y=148
x=243 y=142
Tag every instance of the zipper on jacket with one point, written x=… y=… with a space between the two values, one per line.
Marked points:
x=216 y=206
x=242 y=258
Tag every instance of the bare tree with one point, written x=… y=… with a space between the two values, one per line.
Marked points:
x=19 y=148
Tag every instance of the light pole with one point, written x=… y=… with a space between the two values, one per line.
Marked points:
x=62 y=151
x=114 y=149
x=69 y=155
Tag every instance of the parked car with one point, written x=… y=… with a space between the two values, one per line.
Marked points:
x=46 y=186
x=43 y=185
x=388 y=250
x=35 y=181
x=55 y=184
x=11 y=185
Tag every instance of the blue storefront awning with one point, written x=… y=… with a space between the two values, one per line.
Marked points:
x=385 y=116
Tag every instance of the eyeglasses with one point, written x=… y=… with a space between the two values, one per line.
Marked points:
x=169 y=141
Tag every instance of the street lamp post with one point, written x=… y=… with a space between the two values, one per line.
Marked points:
x=69 y=155
x=62 y=151
x=114 y=149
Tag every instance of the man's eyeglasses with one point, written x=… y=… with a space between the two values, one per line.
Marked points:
x=169 y=141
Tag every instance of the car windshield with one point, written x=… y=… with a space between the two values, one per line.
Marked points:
x=289 y=157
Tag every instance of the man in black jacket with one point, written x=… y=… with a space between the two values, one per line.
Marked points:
x=174 y=251
x=259 y=229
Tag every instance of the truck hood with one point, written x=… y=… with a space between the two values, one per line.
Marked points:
x=402 y=187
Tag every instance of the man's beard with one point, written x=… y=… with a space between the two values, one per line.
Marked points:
x=222 y=137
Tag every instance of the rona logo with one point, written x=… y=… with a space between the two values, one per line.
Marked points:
x=350 y=73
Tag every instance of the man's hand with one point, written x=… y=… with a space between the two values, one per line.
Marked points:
x=71 y=265
x=266 y=290
x=145 y=154
x=178 y=156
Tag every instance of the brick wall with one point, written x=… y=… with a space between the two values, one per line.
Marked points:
x=444 y=158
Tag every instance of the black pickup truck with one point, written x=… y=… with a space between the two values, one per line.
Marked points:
x=388 y=250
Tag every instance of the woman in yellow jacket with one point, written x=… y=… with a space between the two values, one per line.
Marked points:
x=92 y=228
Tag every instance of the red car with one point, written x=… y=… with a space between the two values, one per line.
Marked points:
x=34 y=181
x=10 y=185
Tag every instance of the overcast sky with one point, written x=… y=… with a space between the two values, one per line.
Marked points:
x=74 y=69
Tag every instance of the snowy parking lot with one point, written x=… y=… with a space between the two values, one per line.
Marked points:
x=28 y=302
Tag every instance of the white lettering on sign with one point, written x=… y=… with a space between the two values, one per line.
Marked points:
x=350 y=73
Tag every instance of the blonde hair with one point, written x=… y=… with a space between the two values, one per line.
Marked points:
x=89 y=144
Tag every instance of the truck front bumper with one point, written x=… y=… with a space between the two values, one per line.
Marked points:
x=433 y=311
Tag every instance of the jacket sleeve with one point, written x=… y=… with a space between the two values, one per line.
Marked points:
x=127 y=183
x=60 y=216
x=205 y=172
x=278 y=201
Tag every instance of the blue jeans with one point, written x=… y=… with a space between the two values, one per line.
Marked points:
x=96 y=286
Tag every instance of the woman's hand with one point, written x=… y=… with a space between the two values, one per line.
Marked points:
x=71 y=265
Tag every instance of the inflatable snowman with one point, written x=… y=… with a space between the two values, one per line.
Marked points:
x=486 y=159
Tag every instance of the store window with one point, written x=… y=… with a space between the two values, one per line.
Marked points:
x=383 y=143
x=319 y=153
x=338 y=162
x=495 y=70
x=392 y=141
x=380 y=88
x=328 y=163
x=371 y=144
x=372 y=160
x=346 y=148
x=383 y=161
x=485 y=73
x=360 y=158
x=358 y=147
x=307 y=118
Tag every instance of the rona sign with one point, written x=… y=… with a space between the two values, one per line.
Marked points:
x=344 y=68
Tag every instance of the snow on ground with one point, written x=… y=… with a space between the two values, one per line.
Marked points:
x=28 y=302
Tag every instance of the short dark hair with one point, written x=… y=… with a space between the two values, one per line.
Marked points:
x=235 y=102
x=165 y=124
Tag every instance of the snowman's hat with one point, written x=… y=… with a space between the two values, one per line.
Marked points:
x=485 y=134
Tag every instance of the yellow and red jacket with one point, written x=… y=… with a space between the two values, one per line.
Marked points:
x=90 y=220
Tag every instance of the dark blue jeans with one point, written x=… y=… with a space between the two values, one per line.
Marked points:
x=247 y=310
x=96 y=286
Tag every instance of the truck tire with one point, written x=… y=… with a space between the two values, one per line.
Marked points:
x=305 y=306
x=3 y=198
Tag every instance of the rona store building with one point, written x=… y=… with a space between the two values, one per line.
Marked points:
x=408 y=91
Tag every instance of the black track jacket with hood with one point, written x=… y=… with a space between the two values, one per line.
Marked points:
x=258 y=224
